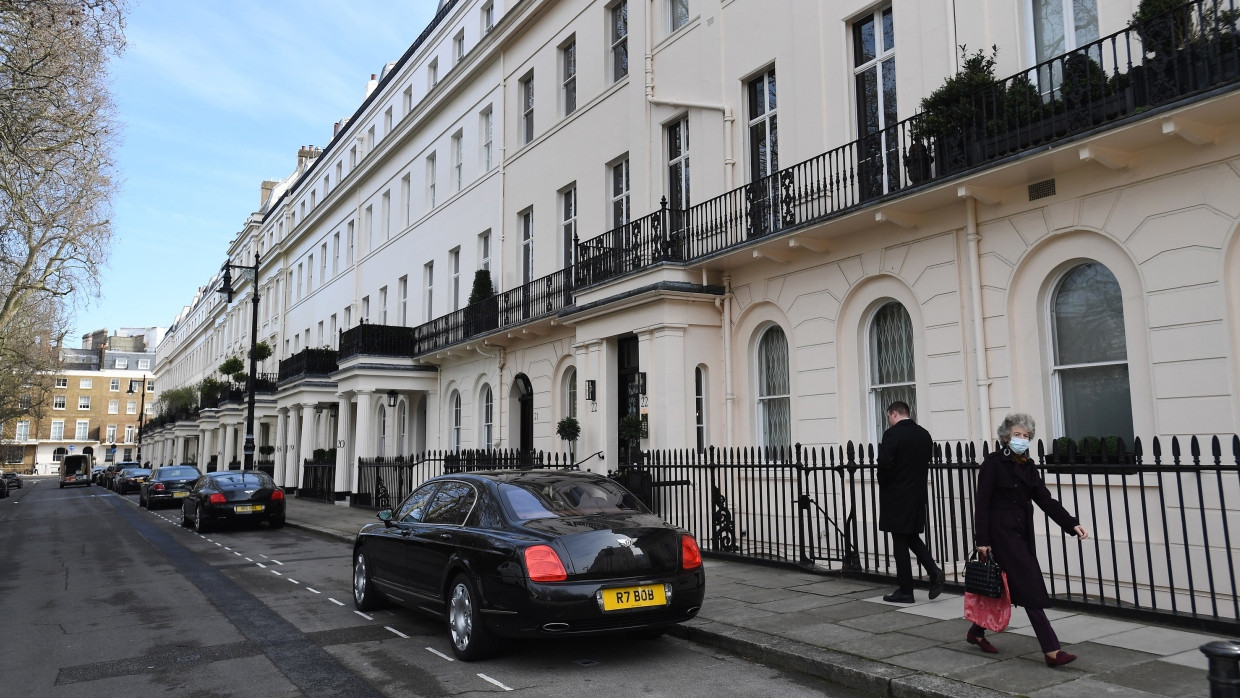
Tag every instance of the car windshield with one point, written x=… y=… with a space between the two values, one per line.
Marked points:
x=181 y=472
x=546 y=499
x=240 y=479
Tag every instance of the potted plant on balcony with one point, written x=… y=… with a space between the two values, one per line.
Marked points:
x=482 y=313
x=956 y=114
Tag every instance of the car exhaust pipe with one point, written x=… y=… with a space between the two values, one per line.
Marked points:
x=555 y=627
x=693 y=611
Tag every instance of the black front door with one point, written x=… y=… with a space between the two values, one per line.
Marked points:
x=525 y=408
x=629 y=401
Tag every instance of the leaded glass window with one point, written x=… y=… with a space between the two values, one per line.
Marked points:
x=1091 y=355
x=892 y=376
x=774 y=408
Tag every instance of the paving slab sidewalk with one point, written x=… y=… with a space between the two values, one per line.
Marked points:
x=841 y=630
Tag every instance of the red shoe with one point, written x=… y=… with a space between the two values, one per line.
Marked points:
x=984 y=645
x=1060 y=659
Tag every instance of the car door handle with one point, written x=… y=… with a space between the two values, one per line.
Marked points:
x=445 y=536
x=405 y=532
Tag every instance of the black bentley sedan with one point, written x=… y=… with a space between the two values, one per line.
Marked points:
x=233 y=495
x=167 y=484
x=127 y=480
x=533 y=553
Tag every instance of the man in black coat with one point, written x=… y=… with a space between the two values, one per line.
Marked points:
x=903 y=464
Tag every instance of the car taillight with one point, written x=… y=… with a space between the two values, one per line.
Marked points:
x=216 y=498
x=159 y=487
x=690 y=556
x=543 y=565
x=277 y=496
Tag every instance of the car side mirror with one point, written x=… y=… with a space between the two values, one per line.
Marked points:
x=385 y=516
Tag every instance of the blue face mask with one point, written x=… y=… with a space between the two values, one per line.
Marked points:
x=1018 y=445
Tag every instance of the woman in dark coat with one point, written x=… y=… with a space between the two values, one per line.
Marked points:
x=1008 y=486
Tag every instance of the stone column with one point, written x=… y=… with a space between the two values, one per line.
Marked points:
x=179 y=450
x=282 y=478
x=226 y=456
x=346 y=468
x=305 y=447
x=208 y=449
x=669 y=387
x=363 y=435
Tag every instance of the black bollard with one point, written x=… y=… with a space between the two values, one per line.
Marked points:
x=1224 y=656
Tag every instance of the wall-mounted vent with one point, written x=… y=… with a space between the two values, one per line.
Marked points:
x=1041 y=190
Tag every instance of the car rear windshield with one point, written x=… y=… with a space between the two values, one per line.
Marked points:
x=567 y=497
x=240 y=479
x=178 y=472
x=135 y=472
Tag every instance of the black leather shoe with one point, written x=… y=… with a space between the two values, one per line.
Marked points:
x=936 y=584
x=899 y=597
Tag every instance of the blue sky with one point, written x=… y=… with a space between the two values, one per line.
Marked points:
x=214 y=97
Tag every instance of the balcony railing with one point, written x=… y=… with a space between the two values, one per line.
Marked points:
x=308 y=362
x=377 y=340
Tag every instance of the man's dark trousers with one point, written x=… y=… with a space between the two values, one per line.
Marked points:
x=901 y=545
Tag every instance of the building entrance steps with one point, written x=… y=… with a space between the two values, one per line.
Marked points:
x=842 y=630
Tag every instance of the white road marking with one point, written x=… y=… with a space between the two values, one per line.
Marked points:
x=227 y=548
x=236 y=553
x=248 y=560
x=394 y=630
x=334 y=601
x=263 y=556
x=432 y=650
x=292 y=580
x=316 y=591
x=261 y=565
x=488 y=679
x=276 y=573
x=277 y=562
x=364 y=615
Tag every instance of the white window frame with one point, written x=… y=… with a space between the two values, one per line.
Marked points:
x=568 y=223
x=86 y=383
x=527 y=246
x=764 y=403
x=488 y=132
x=428 y=278
x=454 y=266
x=83 y=402
x=114 y=406
x=675 y=19
x=619 y=35
x=81 y=430
x=458 y=157
x=678 y=165
x=430 y=181
x=58 y=430
x=526 y=108
x=568 y=76
x=620 y=191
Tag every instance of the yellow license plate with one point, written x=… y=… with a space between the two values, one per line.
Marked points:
x=248 y=508
x=176 y=495
x=634 y=597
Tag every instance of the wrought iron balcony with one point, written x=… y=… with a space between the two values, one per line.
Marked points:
x=376 y=340
x=308 y=362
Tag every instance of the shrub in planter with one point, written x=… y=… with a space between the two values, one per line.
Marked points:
x=1163 y=25
x=320 y=454
x=266 y=449
x=568 y=429
x=482 y=313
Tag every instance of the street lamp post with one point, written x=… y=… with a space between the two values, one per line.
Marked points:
x=141 y=412
x=250 y=380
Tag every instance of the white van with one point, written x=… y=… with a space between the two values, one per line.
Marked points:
x=75 y=470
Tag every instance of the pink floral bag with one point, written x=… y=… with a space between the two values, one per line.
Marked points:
x=990 y=613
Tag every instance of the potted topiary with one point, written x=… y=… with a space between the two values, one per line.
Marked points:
x=266 y=449
x=482 y=313
x=631 y=430
x=569 y=429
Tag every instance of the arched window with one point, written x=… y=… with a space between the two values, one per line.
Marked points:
x=456 y=421
x=1090 y=371
x=570 y=393
x=486 y=437
x=402 y=424
x=383 y=430
x=774 y=413
x=699 y=406
x=59 y=454
x=891 y=364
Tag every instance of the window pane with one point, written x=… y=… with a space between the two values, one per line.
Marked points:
x=1089 y=317
x=892 y=335
x=884 y=397
x=776 y=423
x=867 y=101
x=773 y=363
x=863 y=42
x=1097 y=402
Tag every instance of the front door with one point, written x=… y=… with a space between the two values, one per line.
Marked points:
x=629 y=401
x=525 y=410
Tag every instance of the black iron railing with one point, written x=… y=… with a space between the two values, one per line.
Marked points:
x=318 y=481
x=1160 y=543
x=377 y=340
x=384 y=482
x=308 y=362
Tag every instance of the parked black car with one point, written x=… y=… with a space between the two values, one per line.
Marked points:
x=167 y=484
x=534 y=553
x=13 y=480
x=108 y=476
x=126 y=480
x=233 y=495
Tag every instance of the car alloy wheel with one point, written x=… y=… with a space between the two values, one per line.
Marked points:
x=200 y=523
x=470 y=638
x=364 y=596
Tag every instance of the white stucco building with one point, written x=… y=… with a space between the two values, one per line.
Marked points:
x=1080 y=266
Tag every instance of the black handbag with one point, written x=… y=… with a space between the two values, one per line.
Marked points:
x=983 y=576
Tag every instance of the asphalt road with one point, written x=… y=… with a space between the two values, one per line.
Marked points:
x=102 y=598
